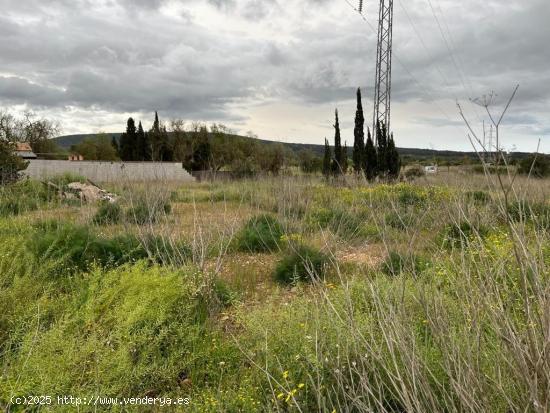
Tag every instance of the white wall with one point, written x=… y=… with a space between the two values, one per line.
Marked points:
x=110 y=171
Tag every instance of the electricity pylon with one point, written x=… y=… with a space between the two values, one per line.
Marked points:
x=382 y=85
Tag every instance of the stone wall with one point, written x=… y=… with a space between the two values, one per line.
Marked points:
x=99 y=171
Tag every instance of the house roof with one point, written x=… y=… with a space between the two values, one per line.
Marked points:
x=23 y=147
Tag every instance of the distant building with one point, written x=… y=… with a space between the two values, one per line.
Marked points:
x=75 y=157
x=430 y=169
x=24 y=150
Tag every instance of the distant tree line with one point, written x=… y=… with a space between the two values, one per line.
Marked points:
x=380 y=160
x=200 y=148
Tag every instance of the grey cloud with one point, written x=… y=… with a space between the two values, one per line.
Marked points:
x=136 y=56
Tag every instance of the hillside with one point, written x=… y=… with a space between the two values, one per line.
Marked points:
x=409 y=154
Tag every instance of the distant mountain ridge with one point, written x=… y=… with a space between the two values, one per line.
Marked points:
x=417 y=154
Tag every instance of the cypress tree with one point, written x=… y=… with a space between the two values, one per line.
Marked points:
x=338 y=151
x=114 y=144
x=202 y=154
x=128 y=141
x=167 y=152
x=394 y=162
x=156 y=139
x=359 y=136
x=382 y=143
x=143 y=150
x=370 y=164
x=327 y=160
x=345 y=158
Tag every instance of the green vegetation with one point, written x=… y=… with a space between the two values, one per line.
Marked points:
x=260 y=234
x=108 y=213
x=280 y=294
x=301 y=263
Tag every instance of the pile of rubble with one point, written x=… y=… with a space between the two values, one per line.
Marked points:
x=86 y=192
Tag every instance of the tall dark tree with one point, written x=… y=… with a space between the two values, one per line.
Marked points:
x=128 y=141
x=166 y=150
x=393 y=160
x=114 y=144
x=155 y=137
x=143 y=147
x=203 y=151
x=327 y=160
x=338 y=163
x=359 y=136
x=381 y=150
x=370 y=158
x=345 y=158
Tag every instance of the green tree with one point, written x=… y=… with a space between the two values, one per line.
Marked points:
x=156 y=138
x=143 y=145
x=370 y=158
x=327 y=160
x=11 y=165
x=337 y=166
x=114 y=144
x=359 y=137
x=203 y=151
x=345 y=158
x=382 y=155
x=309 y=162
x=98 y=148
x=538 y=165
x=393 y=160
x=128 y=141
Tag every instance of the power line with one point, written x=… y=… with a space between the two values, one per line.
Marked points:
x=404 y=66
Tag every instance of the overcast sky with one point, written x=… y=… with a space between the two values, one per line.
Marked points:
x=277 y=67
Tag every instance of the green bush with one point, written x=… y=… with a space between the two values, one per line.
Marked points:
x=166 y=251
x=398 y=220
x=397 y=263
x=261 y=233
x=340 y=222
x=522 y=211
x=415 y=171
x=455 y=235
x=301 y=263
x=480 y=197
x=75 y=247
x=67 y=178
x=108 y=213
x=536 y=165
x=142 y=212
x=134 y=330
x=408 y=196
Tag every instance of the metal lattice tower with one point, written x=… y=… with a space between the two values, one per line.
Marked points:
x=382 y=85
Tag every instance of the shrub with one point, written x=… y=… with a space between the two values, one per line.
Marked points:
x=11 y=165
x=142 y=212
x=463 y=233
x=75 y=247
x=537 y=165
x=301 y=263
x=399 y=220
x=397 y=263
x=139 y=326
x=415 y=171
x=260 y=234
x=529 y=211
x=166 y=251
x=410 y=196
x=480 y=197
x=339 y=221
x=108 y=213
x=66 y=178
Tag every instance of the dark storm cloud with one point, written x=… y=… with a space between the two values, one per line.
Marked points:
x=177 y=57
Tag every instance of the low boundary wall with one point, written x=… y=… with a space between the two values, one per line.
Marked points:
x=102 y=171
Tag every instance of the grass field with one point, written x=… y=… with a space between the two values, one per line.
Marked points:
x=282 y=294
